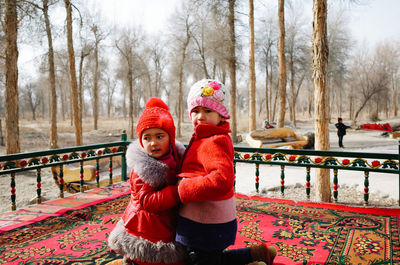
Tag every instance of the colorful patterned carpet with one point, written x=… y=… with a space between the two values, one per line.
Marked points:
x=74 y=230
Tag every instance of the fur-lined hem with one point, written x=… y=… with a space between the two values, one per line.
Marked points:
x=138 y=248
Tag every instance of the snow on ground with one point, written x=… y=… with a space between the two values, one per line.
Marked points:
x=386 y=185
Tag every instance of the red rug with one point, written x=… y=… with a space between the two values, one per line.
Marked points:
x=303 y=233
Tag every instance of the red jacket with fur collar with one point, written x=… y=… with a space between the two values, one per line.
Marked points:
x=146 y=232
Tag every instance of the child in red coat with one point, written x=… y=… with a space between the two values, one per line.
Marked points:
x=207 y=218
x=146 y=232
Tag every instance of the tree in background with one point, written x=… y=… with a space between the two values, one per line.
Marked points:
x=252 y=74
x=181 y=36
x=372 y=78
x=98 y=37
x=126 y=48
x=297 y=50
x=282 y=64
x=52 y=77
x=72 y=76
x=232 y=68
x=11 y=101
x=321 y=93
x=266 y=39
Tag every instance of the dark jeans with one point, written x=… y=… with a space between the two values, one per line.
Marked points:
x=340 y=140
x=225 y=257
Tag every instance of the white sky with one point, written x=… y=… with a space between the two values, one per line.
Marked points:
x=371 y=22
x=151 y=14
x=377 y=21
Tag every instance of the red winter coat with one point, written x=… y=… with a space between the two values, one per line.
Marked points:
x=206 y=189
x=146 y=232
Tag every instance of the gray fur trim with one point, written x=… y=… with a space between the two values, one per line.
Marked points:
x=138 y=248
x=149 y=169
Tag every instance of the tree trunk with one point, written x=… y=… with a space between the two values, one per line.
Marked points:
x=96 y=86
x=52 y=78
x=180 y=94
x=275 y=103
x=321 y=93
x=11 y=99
x=130 y=82
x=282 y=64
x=232 y=68
x=252 y=75
x=351 y=107
x=266 y=92
x=395 y=97
x=72 y=75
x=292 y=93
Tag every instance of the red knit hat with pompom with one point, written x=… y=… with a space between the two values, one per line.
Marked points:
x=156 y=115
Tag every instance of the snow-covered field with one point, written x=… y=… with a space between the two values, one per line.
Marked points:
x=384 y=185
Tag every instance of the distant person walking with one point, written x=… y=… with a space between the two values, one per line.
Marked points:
x=341 y=131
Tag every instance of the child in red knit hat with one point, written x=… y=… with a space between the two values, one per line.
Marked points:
x=146 y=232
x=207 y=218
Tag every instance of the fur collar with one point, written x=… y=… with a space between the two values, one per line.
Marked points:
x=149 y=169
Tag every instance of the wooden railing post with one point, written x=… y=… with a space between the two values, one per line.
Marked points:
x=234 y=172
x=38 y=186
x=13 y=194
x=257 y=177
x=282 y=180
x=81 y=189
x=308 y=185
x=110 y=170
x=335 y=185
x=123 y=158
x=61 y=181
x=366 y=189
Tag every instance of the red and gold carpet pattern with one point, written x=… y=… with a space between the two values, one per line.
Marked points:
x=303 y=233
x=311 y=233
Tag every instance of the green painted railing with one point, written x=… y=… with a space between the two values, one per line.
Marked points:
x=364 y=162
x=335 y=160
x=21 y=162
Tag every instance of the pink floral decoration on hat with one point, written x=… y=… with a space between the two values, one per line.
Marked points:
x=218 y=95
x=214 y=85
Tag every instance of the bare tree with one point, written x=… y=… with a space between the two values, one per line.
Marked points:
x=252 y=74
x=282 y=64
x=52 y=78
x=182 y=40
x=298 y=54
x=126 y=48
x=110 y=91
x=11 y=101
x=72 y=74
x=320 y=76
x=370 y=77
x=232 y=67
x=266 y=45
x=32 y=97
x=98 y=37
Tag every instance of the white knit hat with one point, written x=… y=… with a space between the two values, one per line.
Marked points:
x=211 y=94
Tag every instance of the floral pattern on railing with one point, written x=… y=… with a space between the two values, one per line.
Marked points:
x=52 y=159
x=320 y=161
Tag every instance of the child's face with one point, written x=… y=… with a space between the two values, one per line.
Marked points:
x=202 y=115
x=155 y=142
